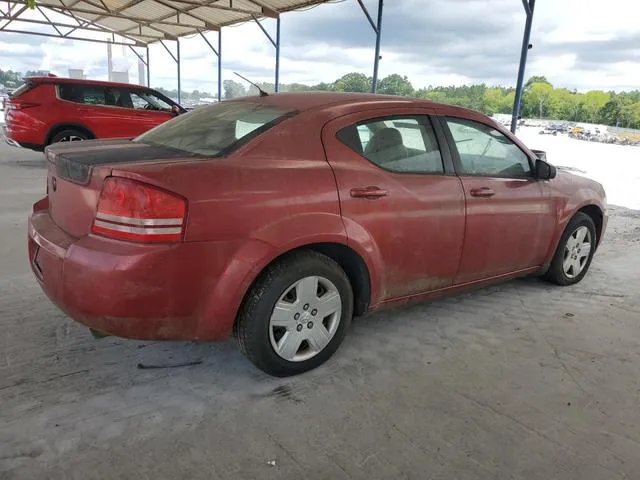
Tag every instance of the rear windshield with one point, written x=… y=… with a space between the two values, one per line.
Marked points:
x=24 y=88
x=215 y=130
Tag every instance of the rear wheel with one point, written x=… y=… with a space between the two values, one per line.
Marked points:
x=575 y=251
x=296 y=315
x=69 y=135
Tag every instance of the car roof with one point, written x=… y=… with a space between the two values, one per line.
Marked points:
x=302 y=101
x=80 y=81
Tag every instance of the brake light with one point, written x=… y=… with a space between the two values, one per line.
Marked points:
x=14 y=105
x=130 y=210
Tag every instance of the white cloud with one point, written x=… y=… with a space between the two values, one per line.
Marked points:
x=458 y=42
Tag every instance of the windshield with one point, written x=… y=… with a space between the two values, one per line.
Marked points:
x=215 y=129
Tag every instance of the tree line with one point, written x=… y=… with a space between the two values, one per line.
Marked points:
x=540 y=98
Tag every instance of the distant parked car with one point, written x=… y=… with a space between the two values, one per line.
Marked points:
x=279 y=218
x=46 y=110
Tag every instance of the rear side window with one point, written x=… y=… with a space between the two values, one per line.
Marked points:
x=406 y=145
x=217 y=129
x=89 y=95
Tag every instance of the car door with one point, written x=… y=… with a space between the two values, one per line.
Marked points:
x=510 y=215
x=399 y=197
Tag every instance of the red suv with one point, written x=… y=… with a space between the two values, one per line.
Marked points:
x=46 y=110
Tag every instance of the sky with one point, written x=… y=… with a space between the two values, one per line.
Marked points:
x=577 y=44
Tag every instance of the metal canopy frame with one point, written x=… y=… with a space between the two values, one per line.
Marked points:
x=139 y=23
x=529 y=6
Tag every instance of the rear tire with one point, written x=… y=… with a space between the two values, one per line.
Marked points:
x=69 y=135
x=296 y=315
x=570 y=264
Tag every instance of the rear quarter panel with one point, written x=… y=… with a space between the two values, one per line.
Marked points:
x=273 y=195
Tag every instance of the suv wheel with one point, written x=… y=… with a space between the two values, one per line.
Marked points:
x=69 y=135
x=296 y=315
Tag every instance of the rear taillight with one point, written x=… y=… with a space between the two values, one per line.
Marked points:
x=130 y=210
x=16 y=105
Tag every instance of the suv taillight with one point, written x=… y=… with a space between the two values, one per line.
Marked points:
x=17 y=105
x=130 y=210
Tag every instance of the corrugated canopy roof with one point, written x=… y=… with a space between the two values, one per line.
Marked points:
x=146 y=21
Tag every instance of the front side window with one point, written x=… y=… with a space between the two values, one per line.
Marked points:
x=485 y=151
x=215 y=129
x=405 y=145
x=142 y=100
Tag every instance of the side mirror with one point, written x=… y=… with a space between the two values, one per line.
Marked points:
x=545 y=171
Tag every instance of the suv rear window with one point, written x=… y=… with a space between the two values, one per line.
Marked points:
x=24 y=88
x=82 y=94
x=215 y=130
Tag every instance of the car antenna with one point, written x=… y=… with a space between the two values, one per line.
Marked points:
x=262 y=92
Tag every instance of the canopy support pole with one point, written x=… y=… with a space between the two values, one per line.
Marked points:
x=275 y=43
x=529 y=5
x=218 y=53
x=178 y=65
x=377 y=29
x=176 y=58
x=148 y=69
x=220 y=65
x=142 y=59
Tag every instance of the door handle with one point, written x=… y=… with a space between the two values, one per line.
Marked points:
x=371 y=192
x=484 y=192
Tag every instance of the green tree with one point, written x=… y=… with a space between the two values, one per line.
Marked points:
x=497 y=100
x=324 y=87
x=592 y=104
x=395 y=85
x=233 y=89
x=353 y=82
x=537 y=97
x=536 y=79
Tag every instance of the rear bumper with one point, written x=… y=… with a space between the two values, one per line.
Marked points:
x=149 y=292
x=8 y=138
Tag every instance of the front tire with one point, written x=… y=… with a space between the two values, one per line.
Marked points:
x=575 y=251
x=296 y=315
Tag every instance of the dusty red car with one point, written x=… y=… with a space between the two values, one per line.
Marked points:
x=279 y=218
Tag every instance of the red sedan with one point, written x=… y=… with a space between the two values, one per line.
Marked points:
x=279 y=218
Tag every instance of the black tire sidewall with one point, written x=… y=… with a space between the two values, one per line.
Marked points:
x=257 y=316
x=556 y=272
x=70 y=132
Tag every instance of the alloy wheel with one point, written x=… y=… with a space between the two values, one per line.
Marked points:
x=576 y=252
x=305 y=318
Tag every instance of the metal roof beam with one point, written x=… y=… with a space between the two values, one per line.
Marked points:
x=366 y=13
x=12 y=18
x=146 y=63
x=175 y=59
x=142 y=21
x=208 y=43
x=49 y=21
x=273 y=42
x=51 y=35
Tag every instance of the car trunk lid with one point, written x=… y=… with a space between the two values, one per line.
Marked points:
x=76 y=172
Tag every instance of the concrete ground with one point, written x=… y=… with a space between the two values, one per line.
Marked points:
x=520 y=381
